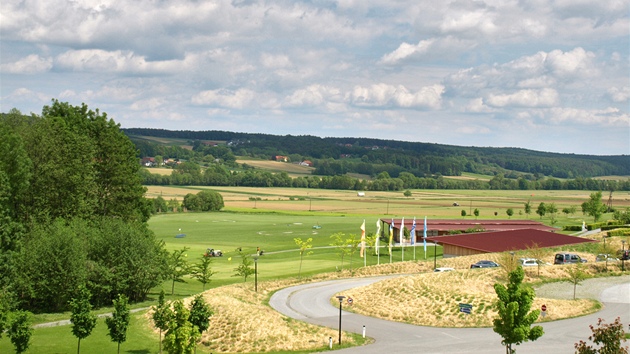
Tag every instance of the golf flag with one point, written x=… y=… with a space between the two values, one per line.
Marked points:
x=412 y=233
x=424 y=237
x=378 y=236
x=362 y=239
x=391 y=236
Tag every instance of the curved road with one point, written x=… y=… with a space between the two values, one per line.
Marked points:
x=310 y=303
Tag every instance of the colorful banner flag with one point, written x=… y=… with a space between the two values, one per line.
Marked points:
x=362 y=239
x=412 y=233
x=391 y=237
x=401 y=234
x=378 y=236
x=424 y=237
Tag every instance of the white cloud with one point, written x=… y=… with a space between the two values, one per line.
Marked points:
x=238 y=99
x=384 y=95
x=619 y=95
x=31 y=64
x=525 y=98
x=608 y=116
x=405 y=50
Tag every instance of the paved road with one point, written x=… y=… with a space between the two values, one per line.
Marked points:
x=310 y=303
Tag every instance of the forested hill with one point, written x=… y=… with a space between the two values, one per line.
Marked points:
x=361 y=155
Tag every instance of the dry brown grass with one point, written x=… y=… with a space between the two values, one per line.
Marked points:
x=419 y=296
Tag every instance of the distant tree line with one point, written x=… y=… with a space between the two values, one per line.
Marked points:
x=190 y=173
x=373 y=156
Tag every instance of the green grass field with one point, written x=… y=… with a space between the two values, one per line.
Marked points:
x=272 y=224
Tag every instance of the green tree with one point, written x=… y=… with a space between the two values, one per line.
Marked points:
x=539 y=254
x=476 y=213
x=576 y=276
x=541 y=210
x=20 y=331
x=125 y=258
x=339 y=243
x=352 y=245
x=178 y=267
x=552 y=210
x=181 y=337
x=118 y=323
x=192 y=202
x=210 y=200
x=303 y=246
x=463 y=213
x=509 y=212
x=515 y=320
x=608 y=338
x=159 y=205
x=202 y=271
x=200 y=315
x=162 y=315
x=407 y=193
x=245 y=268
x=51 y=265
x=594 y=206
x=82 y=319
x=528 y=208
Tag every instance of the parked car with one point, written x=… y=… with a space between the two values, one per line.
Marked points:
x=530 y=262
x=484 y=264
x=567 y=258
x=603 y=257
x=443 y=269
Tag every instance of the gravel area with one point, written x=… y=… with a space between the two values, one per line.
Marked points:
x=588 y=289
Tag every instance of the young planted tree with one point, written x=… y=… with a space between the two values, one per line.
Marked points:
x=538 y=253
x=203 y=271
x=508 y=262
x=178 y=267
x=509 y=212
x=118 y=323
x=528 y=208
x=515 y=319
x=552 y=210
x=82 y=319
x=608 y=338
x=463 y=213
x=181 y=337
x=339 y=243
x=352 y=245
x=476 y=213
x=541 y=210
x=303 y=246
x=576 y=276
x=200 y=315
x=245 y=268
x=20 y=331
x=162 y=316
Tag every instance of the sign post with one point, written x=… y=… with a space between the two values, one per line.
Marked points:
x=543 y=309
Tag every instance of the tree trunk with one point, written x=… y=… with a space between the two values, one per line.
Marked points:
x=79 y=346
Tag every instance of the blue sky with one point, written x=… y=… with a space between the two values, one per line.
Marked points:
x=548 y=75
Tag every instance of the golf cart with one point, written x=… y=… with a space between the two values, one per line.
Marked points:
x=211 y=252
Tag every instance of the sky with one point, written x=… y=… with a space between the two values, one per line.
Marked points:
x=546 y=75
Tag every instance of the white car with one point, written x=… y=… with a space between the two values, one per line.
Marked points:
x=529 y=262
x=443 y=269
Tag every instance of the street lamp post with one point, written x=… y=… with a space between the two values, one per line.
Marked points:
x=340 y=298
x=623 y=255
x=256 y=273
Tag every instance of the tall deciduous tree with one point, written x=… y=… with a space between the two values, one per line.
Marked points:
x=541 y=210
x=118 y=323
x=178 y=267
x=82 y=319
x=594 y=206
x=20 y=331
x=162 y=315
x=515 y=320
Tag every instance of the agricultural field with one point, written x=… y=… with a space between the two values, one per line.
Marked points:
x=293 y=169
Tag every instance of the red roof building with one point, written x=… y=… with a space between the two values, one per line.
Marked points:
x=502 y=241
